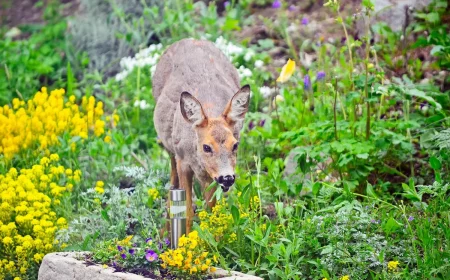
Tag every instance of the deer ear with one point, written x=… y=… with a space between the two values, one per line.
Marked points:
x=192 y=110
x=237 y=106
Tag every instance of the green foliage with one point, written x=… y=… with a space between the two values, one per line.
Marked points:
x=39 y=60
x=437 y=32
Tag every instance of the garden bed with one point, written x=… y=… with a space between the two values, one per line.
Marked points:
x=71 y=265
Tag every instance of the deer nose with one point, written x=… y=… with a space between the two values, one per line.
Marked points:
x=226 y=181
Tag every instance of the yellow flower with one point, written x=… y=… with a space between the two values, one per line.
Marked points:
x=54 y=157
x=153 y=193
x=38 y=257
x=392 y=265
x=99 y=190
x=7 y=240
x=107 y=139
x=345 y=277
x=287 y=71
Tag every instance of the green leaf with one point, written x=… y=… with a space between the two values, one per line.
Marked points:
x=327 y=250
x=150 y=202
x=391 y=226
x=433 y=17
x=316 y=188
x=436 y=50
x=370 y=192
x=235 y=214
x=70 y=80
x=105 y=216
x=420 y=94
x=435 y=163
x=363 y=156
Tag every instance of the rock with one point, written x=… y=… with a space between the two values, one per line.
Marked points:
x=393 y=13
x=68 y=266
x=13 y=33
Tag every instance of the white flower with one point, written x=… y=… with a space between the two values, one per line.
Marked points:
x=266 y=91
x=259 y=63
x=228 y=48
x=141 y=104
x=244 y=72
x=145 y=57
x=144 y=105
x=249 y=55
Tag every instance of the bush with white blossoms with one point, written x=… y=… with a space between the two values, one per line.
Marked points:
x=145 y=57
x=149 y=57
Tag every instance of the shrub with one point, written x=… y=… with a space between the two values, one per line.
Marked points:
x=28 y=215
x=38 y=122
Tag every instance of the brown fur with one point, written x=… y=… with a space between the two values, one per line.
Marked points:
x=198 y=102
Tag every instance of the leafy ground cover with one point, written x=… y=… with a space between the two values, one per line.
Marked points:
x=343 y=165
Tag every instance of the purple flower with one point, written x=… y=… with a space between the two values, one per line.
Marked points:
x=131 y=251
x=226 y=4
x=262 y=123
x=114 y=264
x=149 y=240
x=411 y=218
x=123 y=256
x=307 y=82
x=119 y=248
x=276 y=4
x=291 y=8
x=251 y=125
x=151 y=256
x=167 y=241
x=305 y=21
x=320 y=75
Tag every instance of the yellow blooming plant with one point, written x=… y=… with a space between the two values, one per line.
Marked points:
x=219 y=222
x=28 y=222
x=392 y=265
x=287 y=71
x=38 y=122
x=153 y=193
x=190 y=258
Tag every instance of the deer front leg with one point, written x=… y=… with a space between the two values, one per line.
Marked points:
x=185 y=176
x=173 y=173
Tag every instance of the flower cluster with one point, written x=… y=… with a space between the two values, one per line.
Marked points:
x=145 y=57
x=45 y=117
x=153 y=193
x=28 y=222
x=392 y=265
x=190 y=257
x=99 y=187
x=219 y=222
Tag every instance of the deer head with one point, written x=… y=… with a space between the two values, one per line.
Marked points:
x=217 y=138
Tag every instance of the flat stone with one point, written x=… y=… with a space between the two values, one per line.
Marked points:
x=69 y=266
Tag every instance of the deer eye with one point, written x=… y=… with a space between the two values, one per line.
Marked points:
x=207 y=149
x=235 y=146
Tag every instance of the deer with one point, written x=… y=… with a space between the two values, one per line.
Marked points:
x=199 y=113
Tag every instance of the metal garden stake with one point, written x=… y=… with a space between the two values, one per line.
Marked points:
x=177 y=212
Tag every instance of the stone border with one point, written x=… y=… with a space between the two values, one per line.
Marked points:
x=67 y=266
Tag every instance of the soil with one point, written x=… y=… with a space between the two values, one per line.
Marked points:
x=20 y=12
